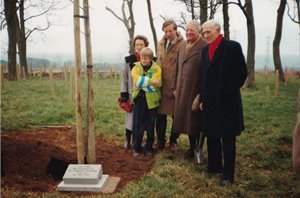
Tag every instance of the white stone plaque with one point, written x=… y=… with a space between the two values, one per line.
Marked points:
x=83 y=174
x=83 y=177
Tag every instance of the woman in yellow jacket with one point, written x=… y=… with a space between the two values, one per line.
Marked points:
x=146 y=76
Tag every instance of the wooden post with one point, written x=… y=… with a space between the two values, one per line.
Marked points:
x=18 y=72
x=91 y=156
x=66 y=76
x=30 y=70
x=41 y=73
x=71 y=85
x=51 y=81
x=286 y=74
x=2 y=77
x=277 y=83
x=79 y=133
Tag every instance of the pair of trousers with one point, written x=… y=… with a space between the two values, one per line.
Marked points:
x=161 y=126
x=143 y=119
x=218 y=147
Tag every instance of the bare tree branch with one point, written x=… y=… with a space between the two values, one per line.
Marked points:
x=293 y=18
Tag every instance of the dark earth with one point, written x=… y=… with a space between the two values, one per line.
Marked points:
x=26 y=156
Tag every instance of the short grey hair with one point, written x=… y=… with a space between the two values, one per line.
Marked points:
x=212 y=23
x=194 y=23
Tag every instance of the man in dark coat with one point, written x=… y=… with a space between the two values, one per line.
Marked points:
x=223 y=73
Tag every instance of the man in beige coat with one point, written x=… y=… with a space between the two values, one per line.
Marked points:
x=167 y=52
x=186 y=85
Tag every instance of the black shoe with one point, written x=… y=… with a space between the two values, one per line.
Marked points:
x=225 y=183
x=127 y=144
x=189 y=154
x=215 y=171
x=159 y=146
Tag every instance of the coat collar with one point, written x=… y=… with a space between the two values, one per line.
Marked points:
x=195 y=48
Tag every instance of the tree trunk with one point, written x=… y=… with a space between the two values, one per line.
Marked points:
x=203 y=11
x=22 y=40
x=250 y=83
x=131 y=25
x=226 y=19
x=91 y=156
x=298 y=10
x=11 y=18
x=152 y=25
x=79 y=133
x=277 y=39
x=192 y=9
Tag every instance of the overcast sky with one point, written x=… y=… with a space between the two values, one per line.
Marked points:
x=110 y=36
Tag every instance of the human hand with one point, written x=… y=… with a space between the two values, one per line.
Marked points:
x=155 y=83
x=201 y=106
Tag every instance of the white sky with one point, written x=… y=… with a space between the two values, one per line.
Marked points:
x=110 y=36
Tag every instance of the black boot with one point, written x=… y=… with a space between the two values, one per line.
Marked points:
x=127 y=144
x=190 y=153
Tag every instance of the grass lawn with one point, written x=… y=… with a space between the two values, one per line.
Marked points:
x=263 y=168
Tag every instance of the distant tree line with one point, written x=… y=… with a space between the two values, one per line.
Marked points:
x=15 y=17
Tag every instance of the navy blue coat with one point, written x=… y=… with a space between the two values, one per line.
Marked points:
x=220 y=93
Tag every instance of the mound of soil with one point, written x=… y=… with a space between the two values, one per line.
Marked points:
x=25 y=156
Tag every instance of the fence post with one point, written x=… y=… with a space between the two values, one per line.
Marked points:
x=51 y=81
x=2 y=77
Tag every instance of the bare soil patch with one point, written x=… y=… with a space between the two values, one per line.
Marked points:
x=26 y=154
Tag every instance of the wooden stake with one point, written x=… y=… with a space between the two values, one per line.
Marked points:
x=71 y=85
x=91 y=156
x=18 y=72
x=2 y=77
x=79 y=133
x=286 y=76
x=23 y=72
x=66 y=76
x=51 y=81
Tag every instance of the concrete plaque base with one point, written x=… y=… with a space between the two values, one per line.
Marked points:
x=84 y=187
x=83 y=177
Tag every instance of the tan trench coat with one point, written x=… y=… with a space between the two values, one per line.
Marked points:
x=187 y=86
x=167 y=60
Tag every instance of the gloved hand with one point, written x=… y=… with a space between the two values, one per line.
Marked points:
x=124 y=96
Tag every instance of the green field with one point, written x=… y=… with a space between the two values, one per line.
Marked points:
x=263 y=168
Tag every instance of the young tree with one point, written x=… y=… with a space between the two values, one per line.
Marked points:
x=128 y=21
x=277 y=39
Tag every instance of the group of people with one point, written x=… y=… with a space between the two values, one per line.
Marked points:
x=205 y=64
